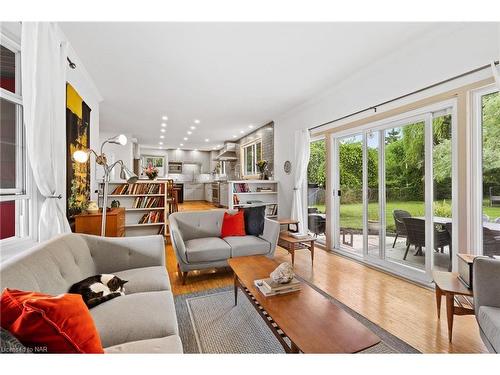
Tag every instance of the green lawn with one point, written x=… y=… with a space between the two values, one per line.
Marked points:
x=351 y=215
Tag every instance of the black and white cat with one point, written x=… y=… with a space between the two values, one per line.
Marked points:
x=98 y=289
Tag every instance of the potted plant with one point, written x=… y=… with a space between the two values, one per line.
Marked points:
x=151 y=172
x=262 y=165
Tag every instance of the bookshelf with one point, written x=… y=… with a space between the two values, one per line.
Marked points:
x=246 y=193
x=145 y=205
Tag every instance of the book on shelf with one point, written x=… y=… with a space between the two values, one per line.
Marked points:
x=241 y=188
x=272 y=210
x=151 y=218
x=267 y=292
x=148 y=202
x=264 y=189
x=134 y=189
x=236 y=200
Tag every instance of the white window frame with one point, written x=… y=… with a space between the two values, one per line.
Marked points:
x=423 y=114
x=254 y=171
x=26 y=209
x=476 y=168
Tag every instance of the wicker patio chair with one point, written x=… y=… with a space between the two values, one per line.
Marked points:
x=494 y=196
x=415 y=229
x=400 y=226
x=491 y=242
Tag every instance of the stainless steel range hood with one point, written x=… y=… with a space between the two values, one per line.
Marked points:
x=228 y=152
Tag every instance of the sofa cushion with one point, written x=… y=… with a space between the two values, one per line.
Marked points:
x=207 y=250
x=134 y=317
x=169 y=344
x=247 y=245
x=198 y=224
x=146 y=279
x=254 y=220
x=489 y=320
x=233 y=224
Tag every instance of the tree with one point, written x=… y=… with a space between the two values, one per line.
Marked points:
x=316 y=170
x=392 y=135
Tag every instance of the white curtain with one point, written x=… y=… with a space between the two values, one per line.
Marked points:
x=302 y=152
x=496 y=75
x=43 y=69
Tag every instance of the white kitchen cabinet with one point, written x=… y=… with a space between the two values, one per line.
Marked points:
x=193 y=191
x=208 y=192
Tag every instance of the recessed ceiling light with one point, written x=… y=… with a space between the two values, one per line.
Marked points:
x=164 y=118
x=242 y=131
x=164 y=125
x=196 y=121
x=178 y=148
x=189 y=132
x=207 y=140
x=160 y=143
x=195 y=149
x=163 y=130
x=162 y=136
x=181 y=144
x=218 y=145
x=185 y=138
x=234 y=136
x=250 y=126
x=192 y=127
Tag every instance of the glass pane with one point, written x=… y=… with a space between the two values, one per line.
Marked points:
x=11 y=150
x=442 y=214
x=316 y=183
x=258 y=153
x=7 y=69
x=351 y=199
x=249 y=160
x=405 y=194
x=8 y=219
x=373 y=143
x=491 y=173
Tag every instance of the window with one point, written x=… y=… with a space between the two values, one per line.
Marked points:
x=488 y=164
x=252 y=153
x=14 y=197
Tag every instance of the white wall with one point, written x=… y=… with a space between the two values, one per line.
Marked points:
x=432 y=58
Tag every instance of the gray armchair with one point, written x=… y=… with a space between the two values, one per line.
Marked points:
x=486 y=282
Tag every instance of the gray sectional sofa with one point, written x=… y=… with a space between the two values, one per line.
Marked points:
x=486 y=274
x=197 y=244
x=142 y=321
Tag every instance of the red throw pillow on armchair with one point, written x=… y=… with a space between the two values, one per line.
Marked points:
x=55 y=324
x=233 y=225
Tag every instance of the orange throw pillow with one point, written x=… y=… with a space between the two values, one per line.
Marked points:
x=233 y=225
x=60 y=324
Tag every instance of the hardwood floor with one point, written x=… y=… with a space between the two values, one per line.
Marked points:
x=406 y=310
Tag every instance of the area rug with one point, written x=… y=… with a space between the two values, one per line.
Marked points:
x=210 y=323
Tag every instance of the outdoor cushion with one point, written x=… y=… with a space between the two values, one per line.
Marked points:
x=247 y=245
x=207 y=250
x=134 y=317
x=489 y=320
x=146 y=279
x=169 y=344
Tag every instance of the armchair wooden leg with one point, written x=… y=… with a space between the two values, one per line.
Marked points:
x=184 y=276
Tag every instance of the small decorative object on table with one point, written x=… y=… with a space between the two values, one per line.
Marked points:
x=262 y=165
x=92 y=208
x=115 y=204
x=283 y=274
x=151 y=172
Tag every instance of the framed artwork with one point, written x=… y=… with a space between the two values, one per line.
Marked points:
x=77 y=138
x=155 y=161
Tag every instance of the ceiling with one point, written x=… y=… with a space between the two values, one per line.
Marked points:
x=227 y=75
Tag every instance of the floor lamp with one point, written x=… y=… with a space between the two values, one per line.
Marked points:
x=82 y=156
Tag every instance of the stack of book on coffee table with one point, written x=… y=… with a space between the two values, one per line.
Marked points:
x=270 y=288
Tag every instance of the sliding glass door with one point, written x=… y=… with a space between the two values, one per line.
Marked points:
x=393 y=184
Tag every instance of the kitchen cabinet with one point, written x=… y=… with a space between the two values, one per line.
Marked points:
x=194 y=191
x=224 y=194
x=208 y=192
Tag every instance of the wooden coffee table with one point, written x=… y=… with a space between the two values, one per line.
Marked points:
x=312 y=323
